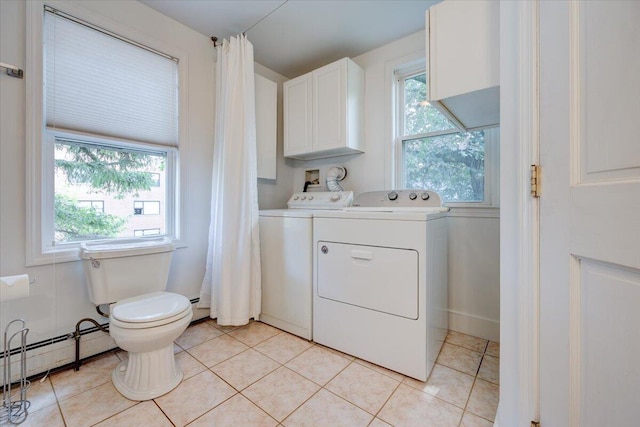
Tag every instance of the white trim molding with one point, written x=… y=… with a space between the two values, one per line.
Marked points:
x=471 y=324
x=519 y=223
x=474 y=212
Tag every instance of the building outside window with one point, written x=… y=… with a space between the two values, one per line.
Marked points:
x=433 y=154
x=97 y=205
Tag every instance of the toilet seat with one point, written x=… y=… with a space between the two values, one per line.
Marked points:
x=149 y=310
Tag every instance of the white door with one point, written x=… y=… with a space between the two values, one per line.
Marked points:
x=590 y=213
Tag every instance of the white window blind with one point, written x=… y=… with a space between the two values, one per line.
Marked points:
x=101 y=84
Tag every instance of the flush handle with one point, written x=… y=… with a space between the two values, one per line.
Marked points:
x=363 y=255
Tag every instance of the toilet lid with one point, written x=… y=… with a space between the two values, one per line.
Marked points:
x=150 y=307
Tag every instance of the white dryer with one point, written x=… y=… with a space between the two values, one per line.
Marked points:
x=286 y=249
x=380 y=279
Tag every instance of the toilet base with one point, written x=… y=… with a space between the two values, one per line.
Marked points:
x=145 y=376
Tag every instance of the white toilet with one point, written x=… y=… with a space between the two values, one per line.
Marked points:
x=144 y=320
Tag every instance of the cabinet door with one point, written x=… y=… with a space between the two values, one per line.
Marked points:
x=464 y=47
x=329 y=100
x=297 y=115
x=266 y=126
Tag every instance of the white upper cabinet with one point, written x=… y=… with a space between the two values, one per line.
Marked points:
x=266 y=126
x=323 y=112
x=463 y=51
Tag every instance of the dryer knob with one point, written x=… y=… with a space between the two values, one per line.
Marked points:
x=295 y=197
x=424 y=196
x=413 y=196
x=392 y=195
x=303 y=198
x=335 y=197
x=310 y=197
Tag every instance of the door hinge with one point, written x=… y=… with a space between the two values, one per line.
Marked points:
x=535 y=423
x=535 y=181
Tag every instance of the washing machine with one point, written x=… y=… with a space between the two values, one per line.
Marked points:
x=380 y=279
x=286 y=256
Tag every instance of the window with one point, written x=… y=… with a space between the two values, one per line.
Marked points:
x=146 y=208
x=155 y=179
x=110 y=112
x=97 y=205
x=115 y=173
x=146 y=232
x=433 y=153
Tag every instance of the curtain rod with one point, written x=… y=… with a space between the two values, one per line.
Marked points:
x=12 y=70
x=214 y=39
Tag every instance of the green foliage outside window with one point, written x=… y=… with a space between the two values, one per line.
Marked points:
x=75 y=223
x=438 y=157
x=452 y=165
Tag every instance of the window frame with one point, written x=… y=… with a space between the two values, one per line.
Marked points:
x=40 y=189
x=491 y=140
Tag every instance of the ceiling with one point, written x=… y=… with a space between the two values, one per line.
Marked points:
x=292 y=37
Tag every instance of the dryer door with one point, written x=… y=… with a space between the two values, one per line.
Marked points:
x=371 y=277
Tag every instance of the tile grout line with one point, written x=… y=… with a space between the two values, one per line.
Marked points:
x=385 y=402
x=163 y=413
x=472 y=387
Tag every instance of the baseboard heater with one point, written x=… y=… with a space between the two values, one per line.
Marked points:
x=71 y=335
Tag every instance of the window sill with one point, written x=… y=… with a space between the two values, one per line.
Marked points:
x=473 y=211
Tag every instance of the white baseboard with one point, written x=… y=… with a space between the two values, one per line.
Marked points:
x=477 y=326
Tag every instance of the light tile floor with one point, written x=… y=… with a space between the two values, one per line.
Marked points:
x=257 y=375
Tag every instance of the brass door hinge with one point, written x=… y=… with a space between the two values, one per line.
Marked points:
x=535 y=423
x=535 y=181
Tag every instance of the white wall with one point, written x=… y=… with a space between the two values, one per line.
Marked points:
x=474 y=272
x=474 y=233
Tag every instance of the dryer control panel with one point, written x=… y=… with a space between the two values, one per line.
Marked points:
x=321 y=200
x=398 y=199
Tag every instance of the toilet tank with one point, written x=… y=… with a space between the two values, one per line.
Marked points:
x=125 y=268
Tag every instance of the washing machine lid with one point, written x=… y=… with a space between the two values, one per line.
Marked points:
x=150 y=307
x=286 y=213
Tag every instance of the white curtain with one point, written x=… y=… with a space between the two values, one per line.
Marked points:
x=232 y=284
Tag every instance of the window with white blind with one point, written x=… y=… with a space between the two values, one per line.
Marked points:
x=110 y=114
